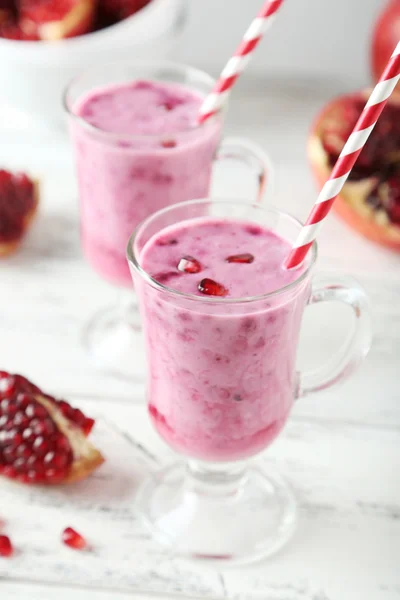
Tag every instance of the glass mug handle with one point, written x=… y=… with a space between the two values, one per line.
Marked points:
x=254 y=157
x=326 y=288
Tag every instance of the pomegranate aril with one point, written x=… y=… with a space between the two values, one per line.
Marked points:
x=212 y=288
x=21 y=420
x=188 y=264
x=168 y=144
x=7 y=386
x=73 y=539
x=6 y=548
x=23 y=400
x=240 y=258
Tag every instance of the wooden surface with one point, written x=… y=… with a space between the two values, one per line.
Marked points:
x=340 y=450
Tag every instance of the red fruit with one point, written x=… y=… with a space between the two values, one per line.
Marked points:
x=56 y=19
x=212 y=288
x=385 y=36
x=11 y=383
x=6 y=548
x=188 y=264
x=240 y=258
x=370 y=199
x=73 y=539
x=116 y=10
x=18 y=203
x=39 y=443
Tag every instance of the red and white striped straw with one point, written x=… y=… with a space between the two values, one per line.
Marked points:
x=348 y=156
x=239 y=60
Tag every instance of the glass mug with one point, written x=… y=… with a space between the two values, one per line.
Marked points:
x=216 y=505
x=124 y=178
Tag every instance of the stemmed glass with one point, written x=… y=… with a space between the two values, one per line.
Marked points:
x=221 y=383
x=124 y=178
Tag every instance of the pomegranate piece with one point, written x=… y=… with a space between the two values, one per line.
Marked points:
x=56 y=19
x=188 y=264
x=14 y=383
x=212 y=288
x=370 y=199
x=116 y=10
x=39 y=443
x=6 y=547
x=240 y=258
x=70 y=537
x=18 y=203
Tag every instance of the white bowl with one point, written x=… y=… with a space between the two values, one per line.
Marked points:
x=33 y=75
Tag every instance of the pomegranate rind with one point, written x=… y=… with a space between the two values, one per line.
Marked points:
x=350 y=205
x=86 y=456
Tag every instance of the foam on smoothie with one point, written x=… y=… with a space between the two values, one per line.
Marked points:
x=211 y=242
x=141 y=108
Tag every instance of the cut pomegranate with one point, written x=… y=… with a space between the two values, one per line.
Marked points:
x=188 y=264
x=240 y=258
x=39 y=442
x=18 y=203
x=6 y=547
x=73 y=539
x=10 y=384
x=370 y=199
x=56 y=19
x=116 y=10
x=212 y=288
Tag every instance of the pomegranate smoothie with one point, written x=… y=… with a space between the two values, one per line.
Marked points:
x=221 y=374
x=140 y=151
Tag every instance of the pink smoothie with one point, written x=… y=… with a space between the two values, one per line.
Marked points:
x=222 y=374
x=142 y=153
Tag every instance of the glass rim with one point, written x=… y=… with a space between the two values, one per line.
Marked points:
x=133 y=259
x=145 y=63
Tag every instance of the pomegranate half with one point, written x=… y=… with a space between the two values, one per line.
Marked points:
x=370 y=199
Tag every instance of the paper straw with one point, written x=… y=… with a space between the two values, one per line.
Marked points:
x=348 y=156
x=239 y=60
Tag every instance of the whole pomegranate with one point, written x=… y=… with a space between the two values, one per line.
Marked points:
x=385 y=36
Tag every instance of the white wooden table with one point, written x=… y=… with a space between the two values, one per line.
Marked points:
x=341 y=448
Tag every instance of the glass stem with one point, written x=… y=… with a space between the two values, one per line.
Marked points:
x=223 y=479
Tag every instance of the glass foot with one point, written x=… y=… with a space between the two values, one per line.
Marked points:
x=115 y=345
x=232 y=517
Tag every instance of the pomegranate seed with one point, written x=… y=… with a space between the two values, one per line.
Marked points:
x=7 y=385
x=73 y=539
x=188 y=264
x=240 y=258
x=212 y=288
x=168 y=144
x=6 y=548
